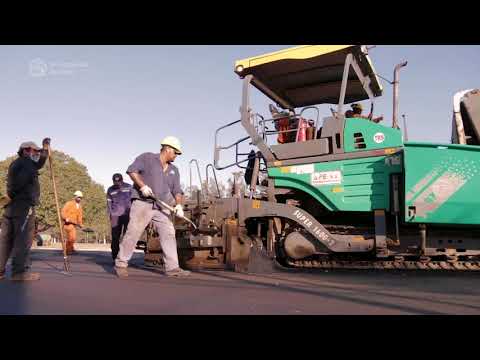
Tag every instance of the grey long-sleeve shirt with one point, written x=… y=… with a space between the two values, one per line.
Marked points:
x=164 y=184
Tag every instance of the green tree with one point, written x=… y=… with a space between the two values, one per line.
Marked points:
x=70 y=176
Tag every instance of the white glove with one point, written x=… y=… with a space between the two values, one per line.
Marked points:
x=146 y=191
x=178 y=210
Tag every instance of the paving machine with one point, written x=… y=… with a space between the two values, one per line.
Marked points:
x=344 y=192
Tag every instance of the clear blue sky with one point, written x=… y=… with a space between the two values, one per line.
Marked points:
x=104 y=105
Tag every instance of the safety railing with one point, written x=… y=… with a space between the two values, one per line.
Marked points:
x=292 y=119
x=261 y=126
x=215 y=178
x=235 y=145
x=199 y=176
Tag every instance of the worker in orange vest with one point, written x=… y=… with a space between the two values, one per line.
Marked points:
x=72 y=215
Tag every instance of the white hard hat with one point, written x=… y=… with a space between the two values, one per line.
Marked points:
x=78 y=193
x=30 y=144
x=173 y=142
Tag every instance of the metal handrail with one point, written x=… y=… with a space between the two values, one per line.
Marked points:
x=237 y=163
x=266 y=133
x=198 y=171
x=219 y=148
x=221 y=128
x=215 y=177
x=259 y=123
x=318 y=113
x=273 y=132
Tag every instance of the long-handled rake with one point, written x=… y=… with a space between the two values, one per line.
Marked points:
x=66 y=263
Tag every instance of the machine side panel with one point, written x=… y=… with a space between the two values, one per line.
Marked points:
x=363 y=135
x=347 y=185
x=442 y=183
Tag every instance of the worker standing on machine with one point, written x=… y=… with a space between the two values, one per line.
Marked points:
x=154 y=175
x=118 y=205
x=72 y=215
x=357 y=110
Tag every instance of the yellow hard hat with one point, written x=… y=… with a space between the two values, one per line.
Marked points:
x=174 y=143
x=78 y=193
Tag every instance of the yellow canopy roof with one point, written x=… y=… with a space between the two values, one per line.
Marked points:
x=310 y=74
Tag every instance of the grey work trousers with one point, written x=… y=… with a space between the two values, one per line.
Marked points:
x=16 y=237
x=141 y=213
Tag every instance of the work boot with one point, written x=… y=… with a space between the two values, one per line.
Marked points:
x=26 y=276
x=121 y=272
x=178 y=272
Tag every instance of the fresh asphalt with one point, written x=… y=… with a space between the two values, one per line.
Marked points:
x=93 y=289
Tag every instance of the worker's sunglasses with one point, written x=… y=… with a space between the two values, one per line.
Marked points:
x=174 y=150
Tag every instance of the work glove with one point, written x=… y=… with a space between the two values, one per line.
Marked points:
x=146 y=191
x=178 y=210
x=46 y=143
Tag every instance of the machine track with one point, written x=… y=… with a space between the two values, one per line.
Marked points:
x=463 y=266
x=393 y=263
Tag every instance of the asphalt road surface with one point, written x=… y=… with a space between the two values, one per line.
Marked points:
x=94 y=289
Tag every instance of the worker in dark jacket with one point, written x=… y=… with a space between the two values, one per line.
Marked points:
x=118 y=205
x=18 y=222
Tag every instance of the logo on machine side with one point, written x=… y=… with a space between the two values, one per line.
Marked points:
x=326 y=178
x=379 y=137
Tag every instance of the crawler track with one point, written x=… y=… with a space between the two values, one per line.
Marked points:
x=387 y=265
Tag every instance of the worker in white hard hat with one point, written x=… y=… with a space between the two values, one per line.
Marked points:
x=72 y=215
x=154 y=176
